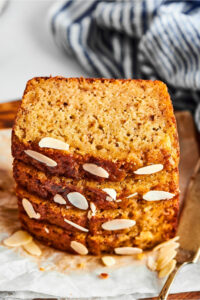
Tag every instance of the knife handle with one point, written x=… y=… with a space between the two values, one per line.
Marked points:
x=165 y=290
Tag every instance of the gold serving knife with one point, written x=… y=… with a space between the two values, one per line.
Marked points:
x=189 y=231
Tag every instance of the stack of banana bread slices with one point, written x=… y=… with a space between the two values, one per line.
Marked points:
x=96 y=164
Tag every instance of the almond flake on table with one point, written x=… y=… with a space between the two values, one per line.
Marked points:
x=108 y=261
x=32 y=248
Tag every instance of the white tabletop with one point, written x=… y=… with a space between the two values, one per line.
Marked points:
x=27 y=48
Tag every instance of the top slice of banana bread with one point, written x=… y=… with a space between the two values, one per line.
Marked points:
x=111 y=128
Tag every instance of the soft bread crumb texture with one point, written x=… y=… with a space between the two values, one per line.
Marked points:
x=105 y=118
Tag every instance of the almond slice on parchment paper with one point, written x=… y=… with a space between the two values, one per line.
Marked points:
x=18 y=238
x=108 y=261
x=32 y=248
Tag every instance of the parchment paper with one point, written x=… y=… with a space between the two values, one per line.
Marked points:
x=57 y=274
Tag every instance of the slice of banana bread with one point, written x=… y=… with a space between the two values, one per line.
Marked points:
x=144 y=224
x=100 y=129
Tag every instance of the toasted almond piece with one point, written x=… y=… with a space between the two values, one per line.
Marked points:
x=165 y=243
x=164 y=258
x=46 y=229
x=76 y=225
x=93 y=208
x=151 y=263
x=28 y=207
x=18 y=238
x=127 y=250
x=89 y=215
x=169 y=246
x=108 y=261
x=59 y=199
x=151 y=169
x=79 y=248
x=32 y=248
x=132 y=195
x=157 y=195
x=41 y=158
x=167 y=269
x=111 y=192
x=118 y=224
x=77 y=200
x=52 y=143
x=96 y=170
x=118 y=200
x=103 y=275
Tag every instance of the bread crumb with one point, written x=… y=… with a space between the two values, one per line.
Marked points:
x=103 y=275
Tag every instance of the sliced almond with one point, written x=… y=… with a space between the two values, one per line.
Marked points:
x=151 y=263
x=46 y=229
x=32 y=248
x=59 y=199
x=164 y=258
x=108 y=261
x=18 y=238
x=118 y=224
x=149 y=169
x=167 y=247
x=41 y=158
x=93 y=208
x=167 y=269
x=127 y=250
x=79 y=248
x=29 y=209
x=89 y=215
x=118 y=200
x=111 y=192
x=165 y=243
x=96 y=170
x=157 y=195
x=52 y=143
x=132 y=195
x=78 y=200
x=76 y=225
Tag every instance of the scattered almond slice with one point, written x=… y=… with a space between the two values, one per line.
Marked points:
x=59 y=199
x=79 y=248
x=165 y=258
x=127 y=250
x=18 y=238
x=169 y=246
x=32 y=248
x=151 y=169
x=111 y=192
x=151 y=263
x=78 y=200
x=29 y=209
x=52 y=143
x=46 y=229
x=95 y=170
x=93 y=209
x=157 y=195
x=118 y=224
x=76 y=225
x=167 y=269
x=41 y=158
x=132 y=195
x=165 y=243
x=108 y=261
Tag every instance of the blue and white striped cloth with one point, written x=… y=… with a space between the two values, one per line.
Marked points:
x=149 y=39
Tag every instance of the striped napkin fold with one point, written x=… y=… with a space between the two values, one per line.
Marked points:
x=149 y=39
